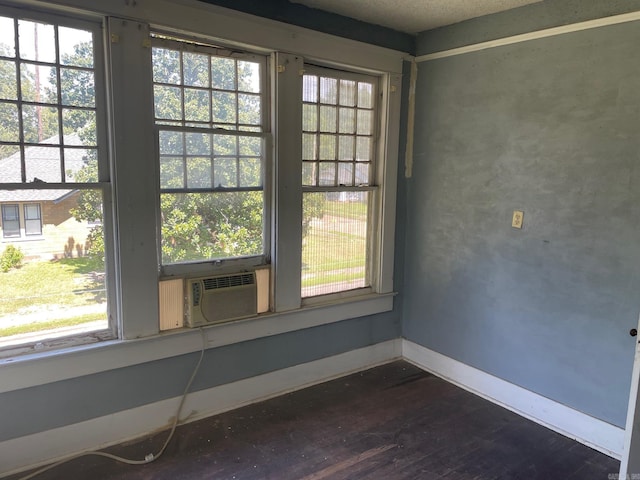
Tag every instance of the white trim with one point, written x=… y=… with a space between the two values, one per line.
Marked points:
x=34 y=450
x=525 y=37
x=590 y=431
x=41 y=368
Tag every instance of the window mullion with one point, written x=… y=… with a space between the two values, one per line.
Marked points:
x=135 y=196
x=287 y=221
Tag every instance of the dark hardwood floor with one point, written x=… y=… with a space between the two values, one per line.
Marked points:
x=392 y=422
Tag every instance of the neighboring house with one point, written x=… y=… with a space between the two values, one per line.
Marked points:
x=39 y=222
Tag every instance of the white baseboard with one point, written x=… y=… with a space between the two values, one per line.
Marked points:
x=44 y=447
x=599 y=435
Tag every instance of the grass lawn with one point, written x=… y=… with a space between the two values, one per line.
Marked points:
x=50 y=325
x=66 y=282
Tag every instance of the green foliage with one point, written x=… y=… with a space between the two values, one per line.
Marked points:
x=11 y=258
x=95 y=243
x=313 y=206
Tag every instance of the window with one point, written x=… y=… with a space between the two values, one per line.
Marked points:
x=209 y=112
x=339 y=119
x=32 y=219
x=50 y=123
x=10 y=221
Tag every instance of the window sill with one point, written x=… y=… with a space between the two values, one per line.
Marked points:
x=39 y=368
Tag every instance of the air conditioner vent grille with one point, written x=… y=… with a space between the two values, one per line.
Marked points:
x=228 y=281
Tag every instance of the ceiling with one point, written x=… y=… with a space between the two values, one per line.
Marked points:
x=414 y=16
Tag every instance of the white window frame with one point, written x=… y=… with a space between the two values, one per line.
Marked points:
x=372 y=187
x=132 y=225
x=191 y=43
x=103 y=183
x=39 y=219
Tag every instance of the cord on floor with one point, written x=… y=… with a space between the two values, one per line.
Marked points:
x=150 y=457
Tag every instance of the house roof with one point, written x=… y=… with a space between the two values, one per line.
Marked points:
x=42 y=163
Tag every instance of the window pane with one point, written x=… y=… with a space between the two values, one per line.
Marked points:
x=309 y=118
x=40 y=124
x=9 y=126
x=7 y=46
x=365 y=95
x=328 y=119
x=249 y=109
x=224 y=107
x=199 y=172
x=77 y=87
x=171 y=143
x=345 y=147
x=310 y=88
x=309 y=151
x=37 y=41
x=205 y=226
x=8 y=90
x=327 y=175
x=171 y=172
x=328 y=90
x=250 y=172
x=334 y=246
x=248 y=76
x=347 y=120
x=196 y=105
x=348 y=93
x=327 y=147
x=79 y=127
x=363 y=149
x=39 y=83
x=64 y=269
x=223 y=73
x=225 y=173
x=76 y=47
x=81 y=165
x=309 y=173
x=168 y=102
x=345 y=174
x=196 y=69
x=166 y=66
x=43 y=163
x=365 y=122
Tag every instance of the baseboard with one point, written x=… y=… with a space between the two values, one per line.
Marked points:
x=44 y=447
x=579 y=426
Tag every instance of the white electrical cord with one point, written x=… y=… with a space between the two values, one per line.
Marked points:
x=150 y=457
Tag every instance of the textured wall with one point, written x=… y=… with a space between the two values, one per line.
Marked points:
x=549 y=127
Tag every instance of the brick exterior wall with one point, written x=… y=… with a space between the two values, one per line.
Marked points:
x=62 y=236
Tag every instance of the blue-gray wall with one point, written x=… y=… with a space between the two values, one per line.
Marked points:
x=550 y=127
x=66 y=402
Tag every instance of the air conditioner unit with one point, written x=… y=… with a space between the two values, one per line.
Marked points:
x=220 y=298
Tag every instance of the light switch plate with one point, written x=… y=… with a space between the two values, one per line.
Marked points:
x=518 y=217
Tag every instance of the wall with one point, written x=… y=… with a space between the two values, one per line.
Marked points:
x=548 y=127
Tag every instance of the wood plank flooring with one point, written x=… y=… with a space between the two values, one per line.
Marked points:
x=392 y=422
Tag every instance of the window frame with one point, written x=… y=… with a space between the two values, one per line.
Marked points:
x=372 y=186
x=27 y=220
x=16 y=206
x=128 y=222
x=188 y=42
x=95 y=25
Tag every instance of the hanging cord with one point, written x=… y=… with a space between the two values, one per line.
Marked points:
x=150 y=457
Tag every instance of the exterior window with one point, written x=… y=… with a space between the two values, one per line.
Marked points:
x=50 y=161
x=338 y=137
x=10 y=221
x=209 y=112
x=32 y=219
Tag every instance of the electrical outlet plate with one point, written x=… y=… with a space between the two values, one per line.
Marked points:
x=518 y=217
